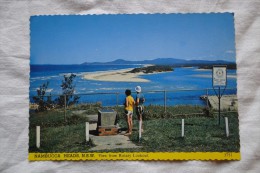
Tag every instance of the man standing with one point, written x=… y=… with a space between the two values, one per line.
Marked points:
x=139 y=100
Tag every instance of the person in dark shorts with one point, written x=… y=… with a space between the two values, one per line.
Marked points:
x=139 y=100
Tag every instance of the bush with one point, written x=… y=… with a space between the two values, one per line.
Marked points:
x=40 y=98
x=68 y=91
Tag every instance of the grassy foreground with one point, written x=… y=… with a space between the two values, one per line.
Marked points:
x=162 y=130
x=201 y=134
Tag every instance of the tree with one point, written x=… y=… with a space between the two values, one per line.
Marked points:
x=68 y=91
x=41 y=100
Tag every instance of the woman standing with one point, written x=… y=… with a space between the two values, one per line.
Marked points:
x=129 y=107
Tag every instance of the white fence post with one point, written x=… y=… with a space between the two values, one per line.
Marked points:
x=182 y=128
x=38 y=136
x=227 y=128
x=140 y=130
x=87 y=131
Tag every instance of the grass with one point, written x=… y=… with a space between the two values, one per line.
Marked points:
x=69 y=138
x=162 y=130
x=158 y=112
x=201 y=134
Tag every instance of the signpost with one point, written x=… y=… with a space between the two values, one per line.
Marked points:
x=219 y=80
x=140 y=130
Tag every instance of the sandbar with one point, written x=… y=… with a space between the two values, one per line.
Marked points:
x=115 y=76
x=202 y=69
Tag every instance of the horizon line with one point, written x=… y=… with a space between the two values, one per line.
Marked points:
x=138 y=61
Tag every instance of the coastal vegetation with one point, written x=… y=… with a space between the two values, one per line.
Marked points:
x=68 y=90
x=168 y=68
x=45 y=102
x=152 y=69
x=229 y=66
x=41 y=100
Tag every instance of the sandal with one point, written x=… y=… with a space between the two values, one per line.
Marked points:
x=127 y=134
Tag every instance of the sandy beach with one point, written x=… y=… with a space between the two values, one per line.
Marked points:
x=115 y=76
x=203 y=69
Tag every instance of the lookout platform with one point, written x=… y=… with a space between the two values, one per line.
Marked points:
x=227 y=102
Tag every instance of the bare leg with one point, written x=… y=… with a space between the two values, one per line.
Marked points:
x=127 y=123
x=130 y=124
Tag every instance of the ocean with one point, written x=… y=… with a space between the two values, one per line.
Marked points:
x=183 y=86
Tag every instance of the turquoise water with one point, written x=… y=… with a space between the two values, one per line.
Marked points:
x=176 y=83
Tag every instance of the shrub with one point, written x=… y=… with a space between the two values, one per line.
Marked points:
x=41 y=100
x=68 y=91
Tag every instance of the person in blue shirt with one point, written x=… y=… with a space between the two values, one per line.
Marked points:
x=139 y=100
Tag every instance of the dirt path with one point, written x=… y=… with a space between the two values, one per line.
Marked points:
x=108 y=142
x=111 y=142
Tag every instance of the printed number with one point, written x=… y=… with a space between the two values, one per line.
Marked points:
x=228 y=154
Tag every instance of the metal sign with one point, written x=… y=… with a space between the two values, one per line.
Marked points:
x=219 y=76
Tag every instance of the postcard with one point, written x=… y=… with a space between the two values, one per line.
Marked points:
x=133 y=87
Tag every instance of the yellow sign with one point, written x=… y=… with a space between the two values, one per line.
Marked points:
x=136 y=156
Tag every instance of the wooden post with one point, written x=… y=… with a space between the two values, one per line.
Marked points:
x=227 y=128
x=164 y=100
x=140 y=130
x=182 y=128
x=87 y=131
x=38 y=136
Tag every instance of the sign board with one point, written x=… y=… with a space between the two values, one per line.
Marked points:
x=219 y=76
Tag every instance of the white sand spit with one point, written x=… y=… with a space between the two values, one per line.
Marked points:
x=115 y=76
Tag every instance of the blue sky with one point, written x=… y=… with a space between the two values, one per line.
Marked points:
x=75 y=39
